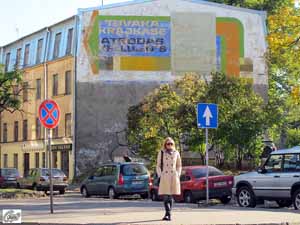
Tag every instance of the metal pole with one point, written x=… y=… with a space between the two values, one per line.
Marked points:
x=50 y=171
x=207 y=172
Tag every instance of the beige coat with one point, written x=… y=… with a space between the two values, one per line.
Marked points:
x=170 y=176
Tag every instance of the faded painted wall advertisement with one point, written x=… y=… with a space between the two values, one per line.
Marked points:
x=134 y=36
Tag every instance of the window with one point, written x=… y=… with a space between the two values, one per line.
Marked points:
x=199 y=173
x=68 y=125
x=68 y=83
x=5 y=163
x=37 y=160
x=38 y=89
x=56 y=45
x=16 y=161
x=38 y=129
x=214 y=172
x=25 y=129
x=16 y=131
x=55 y=85
x=43 y=159
x=133 y=170
x=5 y=132
x=7 y=61
x=25 y=91
x=54 y=159
x=291 y=163
x=19 y=51
x=26 y=56
x=70 y=40
x=55 y=132
x=100 y=172
x=274 y=163
x=39 y=51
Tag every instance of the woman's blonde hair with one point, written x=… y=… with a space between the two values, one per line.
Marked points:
x=169 y=139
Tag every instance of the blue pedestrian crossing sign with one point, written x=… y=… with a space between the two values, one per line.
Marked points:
x=207 y=115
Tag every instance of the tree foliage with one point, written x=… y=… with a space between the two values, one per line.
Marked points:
x=267 y=5
x=170 y=110
x=284 y=73
x=10 y=90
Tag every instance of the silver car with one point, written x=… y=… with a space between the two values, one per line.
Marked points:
x=277 y=180
x=39 y=179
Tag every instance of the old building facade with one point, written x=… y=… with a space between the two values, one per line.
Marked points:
x=127 y=49
x=117 y=54
x=46 y=59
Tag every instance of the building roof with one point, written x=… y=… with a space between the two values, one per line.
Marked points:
x=36 y=32
x=203 y=2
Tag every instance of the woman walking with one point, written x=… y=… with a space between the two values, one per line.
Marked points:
x=168 y=170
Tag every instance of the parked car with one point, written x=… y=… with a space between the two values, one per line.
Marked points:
x=39 y=179
x=8 y=177
x=116 y=179
x=193 y=185
x=277 y=180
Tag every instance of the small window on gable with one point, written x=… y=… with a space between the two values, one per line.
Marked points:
x=56 y=45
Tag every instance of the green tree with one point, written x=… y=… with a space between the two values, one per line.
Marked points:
x=10 y=90
x=241 y=117
x=171 y=111
x=153 y=120
x=284 y=73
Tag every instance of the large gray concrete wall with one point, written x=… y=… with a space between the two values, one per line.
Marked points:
x=101 y=113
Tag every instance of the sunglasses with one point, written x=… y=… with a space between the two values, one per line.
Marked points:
x=169 y=143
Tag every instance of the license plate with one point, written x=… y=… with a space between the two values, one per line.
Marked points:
x=11 y=178
x=220 y=184
x=137 y=182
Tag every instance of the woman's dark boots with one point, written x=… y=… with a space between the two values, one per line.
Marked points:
x=168 y=206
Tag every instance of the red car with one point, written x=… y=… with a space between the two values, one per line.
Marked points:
x=193 y=185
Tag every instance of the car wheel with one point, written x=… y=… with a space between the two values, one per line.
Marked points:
x=188 y=197
x=296 y=199
x=225 y=199
x=84 y=192
x=154 y=196
x=34 y=187
x=245 y=197
x=62 y=192
x=145 y=195
x=112 y=193
x=284 y=203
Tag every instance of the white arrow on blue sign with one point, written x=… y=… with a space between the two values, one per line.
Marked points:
x=207 y=115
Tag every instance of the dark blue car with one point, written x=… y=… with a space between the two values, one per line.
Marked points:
x=116 y=179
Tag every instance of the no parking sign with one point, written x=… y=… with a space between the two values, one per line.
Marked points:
x=49 y=114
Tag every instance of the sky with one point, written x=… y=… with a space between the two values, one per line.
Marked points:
x=21 y=17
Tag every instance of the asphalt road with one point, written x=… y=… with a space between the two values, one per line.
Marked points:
x=73 y=209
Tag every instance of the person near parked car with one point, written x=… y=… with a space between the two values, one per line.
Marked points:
x=168 y=169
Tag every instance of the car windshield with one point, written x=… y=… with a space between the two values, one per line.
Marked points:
x=201 y=172
x=133 y=170
x=198 y=173
x=55 y=173
x=9 y=172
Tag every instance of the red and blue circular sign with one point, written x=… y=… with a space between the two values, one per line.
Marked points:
x=49 y=114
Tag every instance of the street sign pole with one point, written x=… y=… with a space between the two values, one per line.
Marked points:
x=207 y=117
x=50 y=171
x=49 y=115
x=207 y=172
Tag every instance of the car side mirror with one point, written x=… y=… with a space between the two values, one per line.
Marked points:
x=261 y=170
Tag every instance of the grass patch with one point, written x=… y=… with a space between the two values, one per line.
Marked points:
x=20 y=193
